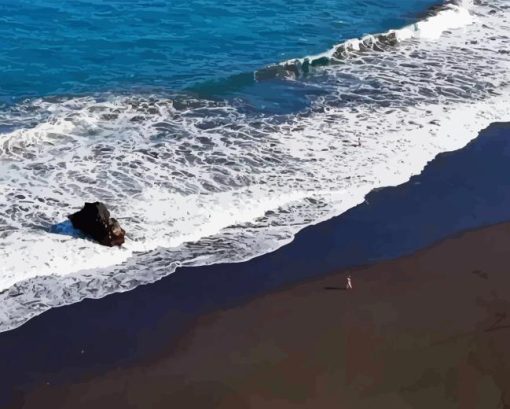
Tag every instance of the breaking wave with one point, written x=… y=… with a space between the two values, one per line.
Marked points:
x=450 y=15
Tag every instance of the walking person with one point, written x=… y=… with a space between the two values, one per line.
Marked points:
x=348 y=286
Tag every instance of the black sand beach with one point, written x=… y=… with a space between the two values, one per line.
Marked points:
x=109 y=341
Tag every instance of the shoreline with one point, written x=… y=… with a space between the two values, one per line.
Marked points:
x=458 y=191
x=48 y=272
x=426 y=330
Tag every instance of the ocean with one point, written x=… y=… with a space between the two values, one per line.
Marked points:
x=215 y=131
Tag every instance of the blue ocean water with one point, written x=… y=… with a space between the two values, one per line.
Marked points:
x=62 y=47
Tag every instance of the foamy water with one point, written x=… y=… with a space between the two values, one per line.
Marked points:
x=196 y=182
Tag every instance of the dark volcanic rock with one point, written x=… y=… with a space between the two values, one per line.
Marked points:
x=94 y=220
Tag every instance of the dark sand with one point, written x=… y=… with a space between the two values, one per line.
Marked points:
x=427 y=331
x=218 y=334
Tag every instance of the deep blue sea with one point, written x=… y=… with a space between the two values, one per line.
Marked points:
x=214 y=131
x=64 y=47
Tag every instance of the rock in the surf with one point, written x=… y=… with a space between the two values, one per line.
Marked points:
x=94 y=220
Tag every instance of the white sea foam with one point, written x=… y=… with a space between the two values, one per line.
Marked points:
x=451 y=17
x=198 y=182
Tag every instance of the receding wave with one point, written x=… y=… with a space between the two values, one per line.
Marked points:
x=195 y=181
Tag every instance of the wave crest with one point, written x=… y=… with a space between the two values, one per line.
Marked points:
x=450 y=15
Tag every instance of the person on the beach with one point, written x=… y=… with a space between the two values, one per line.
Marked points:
x=349 y=283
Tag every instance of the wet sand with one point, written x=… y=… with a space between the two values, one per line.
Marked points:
x=431 y=330
x=279 y=331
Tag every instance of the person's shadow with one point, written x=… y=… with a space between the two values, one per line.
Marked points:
x=335 y=288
